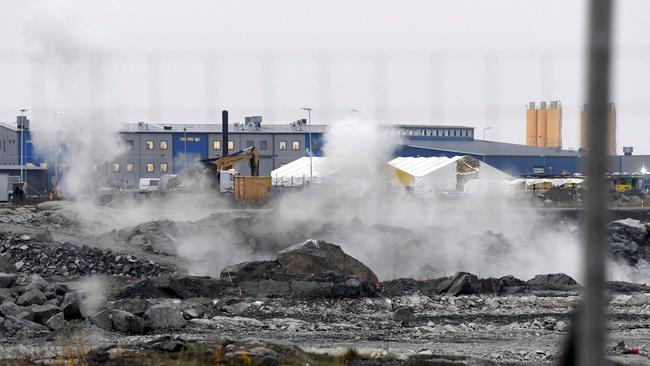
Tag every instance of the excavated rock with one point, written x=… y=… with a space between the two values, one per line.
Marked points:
x=175 y=286
x=56 y=322
x=31 y=297
x=164 y=316
x=73 y=306
x=319 y=257
x=42 y=313
x=7 y=264
x=102 y=319
x=68 y=259
x=7 y=279
x=126 y=322
x=161 y=236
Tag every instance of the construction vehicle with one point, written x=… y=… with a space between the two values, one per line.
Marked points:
x=222 y=176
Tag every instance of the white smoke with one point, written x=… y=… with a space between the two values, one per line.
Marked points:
x=64 y=50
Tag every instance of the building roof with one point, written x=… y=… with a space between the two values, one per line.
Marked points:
x=492 y=148
x=419 y=167
x=216 y=128
x=430 y=126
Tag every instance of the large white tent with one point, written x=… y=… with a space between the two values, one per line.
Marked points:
x=441 y=173
x=298 y=172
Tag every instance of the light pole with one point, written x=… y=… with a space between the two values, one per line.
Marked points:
x=311 y=166
x=358 y=112
x=485 y=129
x=185 y=148
x=22 y=146
x=56 y=148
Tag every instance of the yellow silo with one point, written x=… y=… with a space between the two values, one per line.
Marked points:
x=531 y=125
x=541 y=125
x=554 y=125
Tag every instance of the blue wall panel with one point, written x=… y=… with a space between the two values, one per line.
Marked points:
x=196 y=143
x=514 y=165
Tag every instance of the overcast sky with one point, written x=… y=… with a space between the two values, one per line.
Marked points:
x=464 y=62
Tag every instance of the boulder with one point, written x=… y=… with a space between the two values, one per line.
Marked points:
x=133 y=306
x=31 y=297
x=56 y=321
x=193 y=309
x=9 y=308
x=6 y=295
x=24 y=327
x=631 y=228
x=73 y=307
x=250 y=271
x=102 y=319
x=7 y=264
x=179 y=287
x=164 y=316
x=462 y=283
x=42 y=313
x=7 y=279
x=556 y=281
x=404 y=314
x=36 y=282
x=125 y=322
x=319 y=257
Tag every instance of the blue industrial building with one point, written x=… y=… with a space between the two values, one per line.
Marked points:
x=156 y=149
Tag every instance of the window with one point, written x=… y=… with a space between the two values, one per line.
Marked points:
x=181 y=156
x=129 y=144
x=163 y=144
x=197 y=156
x=163 y=167
x=216 y=145
x=231 y=145
x=295 y=145
x=263 y=145
x=283 y=145
x=249 y=143
x=129 y=167
x=149 y=144
x=116 y=167
x=149 y=167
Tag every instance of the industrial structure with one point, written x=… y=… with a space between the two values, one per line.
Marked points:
x=544 y=124
x=611 y=128
x=153 y=150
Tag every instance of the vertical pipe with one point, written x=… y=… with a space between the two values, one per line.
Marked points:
x=224 y=133
x=593 y=317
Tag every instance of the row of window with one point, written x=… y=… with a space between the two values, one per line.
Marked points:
x=149 y=167
x=216 y=144
x=433 y=132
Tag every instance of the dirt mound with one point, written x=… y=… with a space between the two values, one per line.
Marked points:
x=160 y=236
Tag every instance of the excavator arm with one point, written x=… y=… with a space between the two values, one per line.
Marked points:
x=251 y=154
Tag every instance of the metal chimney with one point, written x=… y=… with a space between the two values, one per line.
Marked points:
x=224 y=133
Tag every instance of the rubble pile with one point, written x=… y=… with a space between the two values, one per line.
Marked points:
x=46 y=214
x=160 y=236
x=629 y=241
x=66 y=259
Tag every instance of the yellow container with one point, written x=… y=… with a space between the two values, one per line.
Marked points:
x=252 y=188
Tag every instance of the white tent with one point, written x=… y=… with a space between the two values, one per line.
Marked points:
x=440 y=173
x=297 y=172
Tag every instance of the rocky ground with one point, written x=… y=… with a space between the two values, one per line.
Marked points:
x=124 y=298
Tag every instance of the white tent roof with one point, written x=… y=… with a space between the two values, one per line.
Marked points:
x=297 y=172
x=419 y=167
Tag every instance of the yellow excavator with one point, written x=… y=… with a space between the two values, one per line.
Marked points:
x=224 y=178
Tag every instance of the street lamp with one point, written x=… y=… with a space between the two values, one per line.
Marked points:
x=56 y=148
x=358 y=112
x=485 y=129
x=311 y=166
x=22 y=146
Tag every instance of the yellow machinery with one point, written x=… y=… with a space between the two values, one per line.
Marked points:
x=228 y=181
